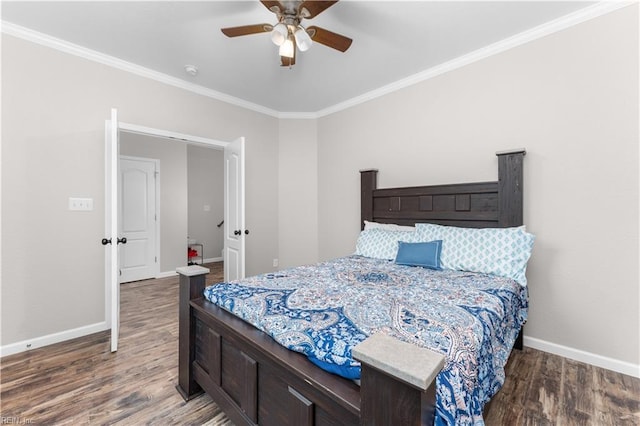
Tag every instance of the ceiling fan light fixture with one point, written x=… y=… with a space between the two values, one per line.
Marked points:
x=279 y=34
x=287 y=48
x=303 y=41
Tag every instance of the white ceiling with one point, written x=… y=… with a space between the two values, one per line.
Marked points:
x=392 y=40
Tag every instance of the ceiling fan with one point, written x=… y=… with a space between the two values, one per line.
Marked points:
x=288 y=33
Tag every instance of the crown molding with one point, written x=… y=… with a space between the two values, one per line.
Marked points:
x=298 y=115
x=559 y=24
x=92 y=55
x=562 y=23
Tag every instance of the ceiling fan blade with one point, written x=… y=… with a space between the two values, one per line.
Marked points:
x=247 y=29
x=312 y=8
x=274 y=6
x=329 y=38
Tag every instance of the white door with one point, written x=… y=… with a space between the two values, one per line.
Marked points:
x=111 y=227
x=234 y=226
x=137 y=196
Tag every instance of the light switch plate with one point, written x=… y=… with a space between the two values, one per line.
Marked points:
x=80 y=204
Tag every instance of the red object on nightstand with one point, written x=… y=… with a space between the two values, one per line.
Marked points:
x=192 y=253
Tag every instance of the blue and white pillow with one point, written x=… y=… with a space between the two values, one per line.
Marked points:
x=380 y=243
x=499 y=251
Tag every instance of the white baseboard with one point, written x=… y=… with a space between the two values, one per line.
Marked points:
x=38 y=342
x=208 y=260
x=583 y=356
x=167 y=274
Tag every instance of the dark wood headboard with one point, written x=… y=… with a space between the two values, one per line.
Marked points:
x=471 y=205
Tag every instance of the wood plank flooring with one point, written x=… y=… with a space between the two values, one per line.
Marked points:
x=545 y=389
x=81 y=382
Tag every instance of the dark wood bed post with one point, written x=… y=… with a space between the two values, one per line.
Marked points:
x=510 y=202
x=368 y=183
x=192 y=284
x=398 y=382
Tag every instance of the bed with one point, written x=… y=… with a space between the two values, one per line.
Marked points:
x=256 y=380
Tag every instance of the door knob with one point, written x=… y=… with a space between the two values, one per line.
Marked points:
x=246 y=232
x=122 y=240
x=237 y=232
x=105 y=241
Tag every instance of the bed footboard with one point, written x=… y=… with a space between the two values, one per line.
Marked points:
x=255 y=380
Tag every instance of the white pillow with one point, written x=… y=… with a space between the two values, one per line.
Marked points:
x=388 y=226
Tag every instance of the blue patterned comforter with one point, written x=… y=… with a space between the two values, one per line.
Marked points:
x=324 y=310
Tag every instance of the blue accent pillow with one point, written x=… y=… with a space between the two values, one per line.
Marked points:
x=425 y=254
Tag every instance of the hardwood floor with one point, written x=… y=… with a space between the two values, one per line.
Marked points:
x=81 y=382
x=546 y=389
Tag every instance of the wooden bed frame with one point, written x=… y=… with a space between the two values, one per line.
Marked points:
x=255 y=380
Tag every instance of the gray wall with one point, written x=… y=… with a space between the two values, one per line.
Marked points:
x=298 y=191
x=571 y=99
x=173 y=194
x=54 y=106
x=205 y=171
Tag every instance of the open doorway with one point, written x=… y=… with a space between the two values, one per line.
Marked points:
x=205 y=204
x=190 y=182
x=234 y=215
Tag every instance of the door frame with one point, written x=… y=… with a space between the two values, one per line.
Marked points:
x=156 y=163
x=110 y=308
